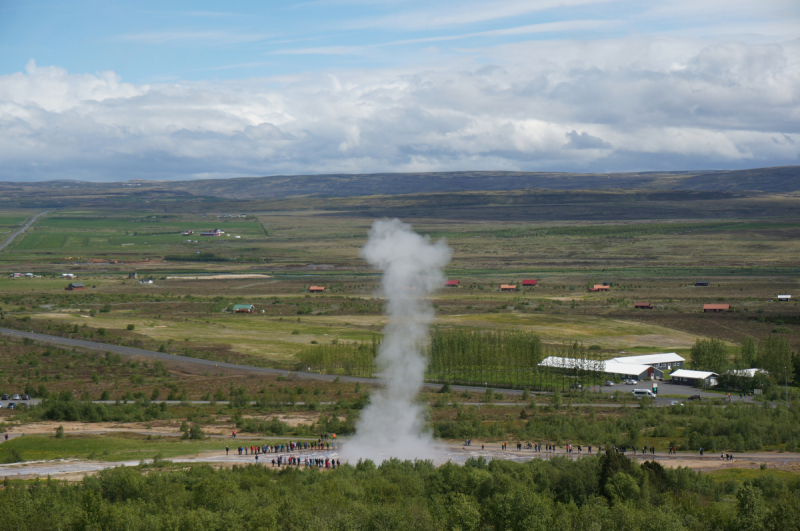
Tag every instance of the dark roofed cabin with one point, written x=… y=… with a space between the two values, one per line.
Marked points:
x=703 y=283
x=75 y=285
x=643 y=305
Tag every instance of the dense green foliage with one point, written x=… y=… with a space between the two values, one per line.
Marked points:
x=501 y=358
x=357 y=358
x=599 y=493
x=735 y=428
x=709 y=355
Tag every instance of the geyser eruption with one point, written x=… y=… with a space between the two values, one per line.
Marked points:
x=393 y=425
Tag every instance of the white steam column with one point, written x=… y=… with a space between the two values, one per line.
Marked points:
x=393 y=424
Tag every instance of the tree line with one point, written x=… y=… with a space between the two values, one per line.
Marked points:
x=606 y=492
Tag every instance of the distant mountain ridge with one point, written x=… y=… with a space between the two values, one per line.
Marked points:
x=772 y=180
x=785 y=179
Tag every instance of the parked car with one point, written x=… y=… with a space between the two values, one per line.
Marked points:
x=12 y=405
x=608 y=382
x=695 y=397
x=26 y=397
x=5 y=397
x=632 y=382
x=16 y=397
x=676 y=403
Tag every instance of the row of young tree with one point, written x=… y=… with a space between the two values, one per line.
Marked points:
x=499 y=358
x=772 y=355
x=607 y=492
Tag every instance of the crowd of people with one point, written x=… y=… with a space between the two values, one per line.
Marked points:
x=281 y=448
x=322 y=444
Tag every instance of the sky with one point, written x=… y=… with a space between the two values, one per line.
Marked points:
x=107 y=91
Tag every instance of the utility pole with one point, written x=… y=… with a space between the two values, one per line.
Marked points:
x=786 y=383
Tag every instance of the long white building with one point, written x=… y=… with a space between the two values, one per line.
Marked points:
x=612 y=367
x=668 y=360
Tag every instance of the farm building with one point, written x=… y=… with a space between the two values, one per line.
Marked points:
x=529 y=282
x=451 y=283
x=75 y=285
x=67 y=275
x=244 y=308
x=213 y=232
x=316 y=289
x=702 y=283
x=188 y=232
x=508 y=287
x=784 y=298
x=716 y=308
x=600 y=287
x=612 y=368
x=642 y=306
x=668 y=360
x=694 y=378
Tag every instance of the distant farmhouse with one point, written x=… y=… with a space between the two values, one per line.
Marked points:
x=508 y=287
x=316 y=289
x=213 y=232
x=701 y=283
x=716 y=308
x=784 y=298
x=642 y=305
x=244 y=308
x=451 y=284
x=600 y=287
x=75 y=286
x=529 y=282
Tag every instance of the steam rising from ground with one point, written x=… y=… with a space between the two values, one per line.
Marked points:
x=393 y=425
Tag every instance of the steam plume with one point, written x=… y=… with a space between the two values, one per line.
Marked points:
x=393 y=425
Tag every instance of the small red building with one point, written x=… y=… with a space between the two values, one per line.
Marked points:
x=529 y=282
x=508 y=287
x=316 y=289
x=451 y=283
x=716 y=308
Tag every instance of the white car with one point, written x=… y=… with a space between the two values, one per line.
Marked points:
x=609 y=382
x=16 y=397
x=676 y=403
x=632 y=382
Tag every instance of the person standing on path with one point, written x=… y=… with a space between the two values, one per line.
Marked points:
x=226 y=450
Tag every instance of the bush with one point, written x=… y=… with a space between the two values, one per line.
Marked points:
x=60 y=432
x=131 y=327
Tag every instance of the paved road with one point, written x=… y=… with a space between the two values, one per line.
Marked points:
x=664 y=389
x=23 y=229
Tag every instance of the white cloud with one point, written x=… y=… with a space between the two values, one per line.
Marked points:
x=624 y=104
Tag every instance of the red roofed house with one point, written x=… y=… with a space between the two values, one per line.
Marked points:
x=600 y=287
x=529 y=282
x=716 y=308
x=451 y=283
x=316 y=289
x=643 y=305
x=508 y=287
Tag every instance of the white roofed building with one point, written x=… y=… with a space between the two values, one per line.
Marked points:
x=687 y=377
x=668 y=360
x=609 y=367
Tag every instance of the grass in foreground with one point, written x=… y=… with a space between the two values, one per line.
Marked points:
x=107 y=447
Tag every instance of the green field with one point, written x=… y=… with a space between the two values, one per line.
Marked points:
x=107 y=447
